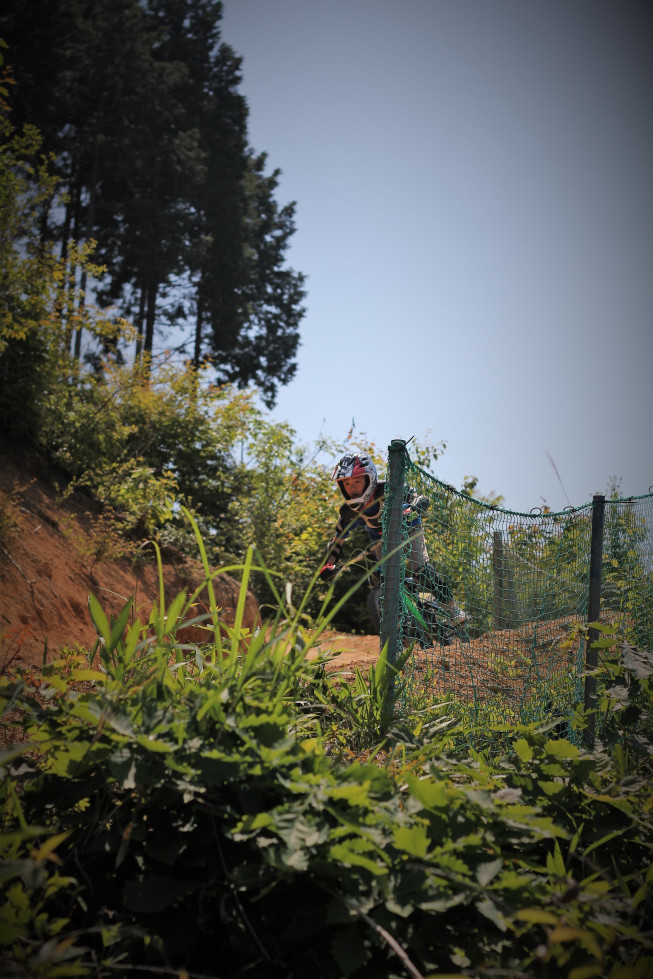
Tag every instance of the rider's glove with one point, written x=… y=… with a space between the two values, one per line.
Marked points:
x=327 y=572
x=372 y=554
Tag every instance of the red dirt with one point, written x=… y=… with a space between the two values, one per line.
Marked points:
x=349 y=651
x=47 y=570
x=47 y=573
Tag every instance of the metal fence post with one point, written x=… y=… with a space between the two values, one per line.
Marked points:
x=391 y=569
x=594 y=612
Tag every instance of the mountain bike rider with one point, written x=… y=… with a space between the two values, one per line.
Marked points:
x=364 y=494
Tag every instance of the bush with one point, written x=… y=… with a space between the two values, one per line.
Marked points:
x=180 y=807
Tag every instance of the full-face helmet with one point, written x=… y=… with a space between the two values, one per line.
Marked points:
x=356 y=465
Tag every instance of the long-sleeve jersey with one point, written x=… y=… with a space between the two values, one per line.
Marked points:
x=369 y=519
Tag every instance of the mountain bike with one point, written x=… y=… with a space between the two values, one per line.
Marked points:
x=424 y=618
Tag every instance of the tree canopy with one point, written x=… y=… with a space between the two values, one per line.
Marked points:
x=138 y=102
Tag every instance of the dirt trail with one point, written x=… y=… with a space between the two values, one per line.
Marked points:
x=348 y=651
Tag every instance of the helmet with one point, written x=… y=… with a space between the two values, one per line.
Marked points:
x=353 y=465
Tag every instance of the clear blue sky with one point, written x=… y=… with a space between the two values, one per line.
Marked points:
x=473 y=181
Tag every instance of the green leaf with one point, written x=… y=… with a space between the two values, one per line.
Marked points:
x=61 y=761
x=121 y=723
x=485 y=872
x=604 y=839
x=412 y=839
x=381 y=665
x=523 y=750
x=154 y=744
x=50 y=845
x=554 y=862
x=432 y=793
x=120 y=624
x=344 y=853
x=99 y=620
x=354 y=794
x=561 y=749
x=249 y=824
x=173 y=613
x=551 y=788
x=536 y=916
x=489 y=909
x=622 y=804
x=82 y=675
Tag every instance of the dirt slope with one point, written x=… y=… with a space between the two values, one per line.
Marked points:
x=47 y=572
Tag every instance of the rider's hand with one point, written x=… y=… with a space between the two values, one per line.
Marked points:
x=417 y=506
x=327 y=572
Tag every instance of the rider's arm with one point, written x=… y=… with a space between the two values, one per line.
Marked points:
x=334 y=549
x=419 y=504
x=347 y=520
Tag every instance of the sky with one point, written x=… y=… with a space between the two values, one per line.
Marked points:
x=474 y=217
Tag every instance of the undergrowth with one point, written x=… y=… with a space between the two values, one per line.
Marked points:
x=234 y=810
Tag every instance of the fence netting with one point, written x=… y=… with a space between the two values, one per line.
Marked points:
x=522 y=582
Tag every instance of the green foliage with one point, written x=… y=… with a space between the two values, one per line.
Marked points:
x=510 y=570
x=361 y=714
x=27 y=278
x=624 y=719
x=175 y=799
x=41 y=306
x=146 y=446
x=627 y=578
x=35 y=892
x=8 y=502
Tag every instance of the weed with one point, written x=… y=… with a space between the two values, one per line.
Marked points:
x=104 y=540
x=8 y=506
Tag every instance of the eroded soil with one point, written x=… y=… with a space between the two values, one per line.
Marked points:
x=48 y=568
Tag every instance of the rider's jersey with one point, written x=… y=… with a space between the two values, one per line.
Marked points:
x=369 y=519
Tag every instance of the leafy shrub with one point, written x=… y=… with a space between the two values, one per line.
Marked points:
x=175 y=808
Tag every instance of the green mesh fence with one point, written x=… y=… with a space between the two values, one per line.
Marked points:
x=522 y=582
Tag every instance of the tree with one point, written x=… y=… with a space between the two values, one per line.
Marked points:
x=251 y=302
x=39 y=305
x=27 y=278
x=139 y=103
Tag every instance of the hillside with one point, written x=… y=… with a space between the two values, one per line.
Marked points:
x=47 y=571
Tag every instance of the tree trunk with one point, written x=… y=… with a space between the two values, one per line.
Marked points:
x=149 y=320
x=197 y=353
x=140 y=319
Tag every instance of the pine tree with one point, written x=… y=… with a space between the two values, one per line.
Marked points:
x=139 y=103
